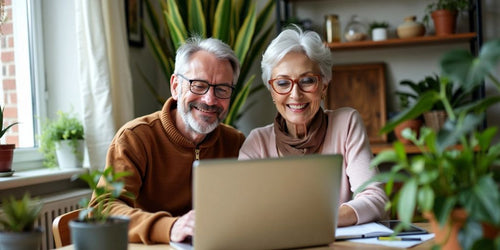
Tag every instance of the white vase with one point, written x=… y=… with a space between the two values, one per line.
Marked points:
x=65 y=156
x=379 y=34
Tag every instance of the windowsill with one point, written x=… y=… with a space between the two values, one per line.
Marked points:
x=38 y=176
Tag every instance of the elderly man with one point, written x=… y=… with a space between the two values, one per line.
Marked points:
x=159 y=148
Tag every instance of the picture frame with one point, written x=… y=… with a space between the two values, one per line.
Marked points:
x=362 y=87
x=135 y=34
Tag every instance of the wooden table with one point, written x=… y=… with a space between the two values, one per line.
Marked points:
x=336 y=245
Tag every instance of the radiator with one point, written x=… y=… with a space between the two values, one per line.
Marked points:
x=53 y=206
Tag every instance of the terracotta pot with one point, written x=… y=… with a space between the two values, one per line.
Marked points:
x=447 y=235
x=489 y=231
x=414 y=125
x=445 y=22
x=6 y=155
x=435 y=119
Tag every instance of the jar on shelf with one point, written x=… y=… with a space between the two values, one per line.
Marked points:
x=355 y=30
x=410 y=28
x=332 y=29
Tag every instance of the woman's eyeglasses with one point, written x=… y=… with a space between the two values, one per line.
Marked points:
x=201 y=87
x=283 y=85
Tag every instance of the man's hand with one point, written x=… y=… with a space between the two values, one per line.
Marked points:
x=183 y=227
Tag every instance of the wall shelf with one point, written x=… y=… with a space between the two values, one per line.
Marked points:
x=391 y=43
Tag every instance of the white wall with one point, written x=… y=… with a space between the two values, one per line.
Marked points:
x=407 y=62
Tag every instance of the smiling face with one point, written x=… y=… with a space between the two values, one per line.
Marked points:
x=297 y=107
x=201 y=114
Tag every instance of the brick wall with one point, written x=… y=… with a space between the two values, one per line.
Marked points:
x=8 y=94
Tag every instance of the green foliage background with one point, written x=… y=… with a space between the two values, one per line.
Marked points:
x=235 y=22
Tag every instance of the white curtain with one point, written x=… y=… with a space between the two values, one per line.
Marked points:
x=105 y=78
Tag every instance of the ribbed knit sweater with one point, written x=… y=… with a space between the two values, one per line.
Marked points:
x=160 y=159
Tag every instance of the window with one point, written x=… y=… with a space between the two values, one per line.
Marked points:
x=22 y=78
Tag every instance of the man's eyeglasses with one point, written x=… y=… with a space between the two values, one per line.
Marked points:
x=307 y=83
x=201 y=87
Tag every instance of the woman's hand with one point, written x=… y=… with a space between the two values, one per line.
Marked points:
x=347 y=216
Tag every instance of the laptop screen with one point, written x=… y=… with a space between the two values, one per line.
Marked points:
x=285 y=202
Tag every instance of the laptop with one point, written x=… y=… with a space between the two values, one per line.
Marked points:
x=273 y=203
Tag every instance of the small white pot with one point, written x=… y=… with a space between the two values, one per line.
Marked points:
x=65 y=156
x=379 y=34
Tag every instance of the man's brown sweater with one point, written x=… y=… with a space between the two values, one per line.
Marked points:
x=160 y=160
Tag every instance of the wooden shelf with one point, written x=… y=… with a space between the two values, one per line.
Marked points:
x=391 y=43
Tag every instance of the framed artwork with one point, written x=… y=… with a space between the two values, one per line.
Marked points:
x=133 y=10
x=361 y=86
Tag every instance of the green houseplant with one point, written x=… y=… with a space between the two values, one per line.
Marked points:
x=444 y=14
x=18 y=223
x=61 y=141
x=378 y=30
x=446 y=177
x=435 y=117
x=235 y=22
x=6 y=150
x=94 y=220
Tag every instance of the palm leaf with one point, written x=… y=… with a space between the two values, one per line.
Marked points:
x=238 y=102
x=222 y=18
x=265 y=14
x=245 y=34
x=175 y=24
x=196 y=18
x=159 y=53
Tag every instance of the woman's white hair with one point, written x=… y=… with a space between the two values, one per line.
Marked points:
x=293 y=39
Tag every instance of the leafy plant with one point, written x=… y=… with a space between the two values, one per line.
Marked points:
x=452 y=5
x=110 y=190
x=20 y=215
x=2 y=129
x=65 y=127
x=234 y=22
x=455 y=94
x=374 y=25
x=445 y=176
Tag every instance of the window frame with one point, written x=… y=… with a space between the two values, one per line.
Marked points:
x=31 y=158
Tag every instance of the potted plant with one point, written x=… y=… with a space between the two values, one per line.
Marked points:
x=454 y=174
x=413 y=124
x=435 y=117
x=62 y=138
x=95 y=228
x=6 y=150
x=236 y=23
x=444 y=15
x=379 y=30
x=18 y=230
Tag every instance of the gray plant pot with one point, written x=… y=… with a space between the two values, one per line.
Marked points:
x=100 y=236
x=21 y=241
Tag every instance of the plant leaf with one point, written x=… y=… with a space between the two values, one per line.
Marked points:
x=245 y=35
x=222 y=20
x=196 y=21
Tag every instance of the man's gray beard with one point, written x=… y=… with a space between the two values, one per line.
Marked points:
x=189 y=120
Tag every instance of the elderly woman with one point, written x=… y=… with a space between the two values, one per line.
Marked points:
x=296 y=68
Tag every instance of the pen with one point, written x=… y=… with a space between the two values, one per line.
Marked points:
x=398 y=239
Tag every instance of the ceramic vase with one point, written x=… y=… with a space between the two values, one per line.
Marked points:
x=410 y=28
